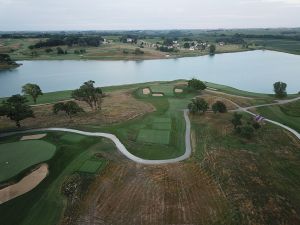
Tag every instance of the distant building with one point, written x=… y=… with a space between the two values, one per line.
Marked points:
x=129 y=40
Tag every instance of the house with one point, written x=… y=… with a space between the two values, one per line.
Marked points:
x=192 y=48
x=129 y=40
x=221 y=43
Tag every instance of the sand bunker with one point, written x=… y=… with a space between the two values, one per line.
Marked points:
x=25 y=185
x=146 y=91
x=157 y=95
x=178 y=90
x=33 y=137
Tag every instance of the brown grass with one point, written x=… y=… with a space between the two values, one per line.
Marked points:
x=117 y=107
x=130 y=194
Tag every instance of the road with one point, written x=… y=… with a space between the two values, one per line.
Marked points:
x=118 y=143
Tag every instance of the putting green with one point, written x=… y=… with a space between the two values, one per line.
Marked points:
x=154 y=136
x=18 y=156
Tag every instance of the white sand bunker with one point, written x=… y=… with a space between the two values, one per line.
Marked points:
x=33 y=137
x=146 y=91
x=25 y=185
x=178 y=90
x=157 y=95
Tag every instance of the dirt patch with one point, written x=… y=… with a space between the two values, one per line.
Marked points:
x=135 y=194
x=146 y=91
x=157 y=94
x=116 y=107
x=25 y=185
x=178 y=90
x=33 y=137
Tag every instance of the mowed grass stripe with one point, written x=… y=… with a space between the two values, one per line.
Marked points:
x=90 y=166
x=161 y=126
x=154 y=136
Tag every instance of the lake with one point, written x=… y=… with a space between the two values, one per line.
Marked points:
x=252 y=71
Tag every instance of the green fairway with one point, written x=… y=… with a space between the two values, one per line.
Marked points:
x=91 y=166
x=17 y=156
x=161 y=126
x=45 y=204
x=154 y=136
x=72 y=138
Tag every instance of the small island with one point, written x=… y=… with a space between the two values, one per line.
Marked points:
x=7 y=63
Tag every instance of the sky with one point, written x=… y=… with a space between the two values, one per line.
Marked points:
x=16 y=15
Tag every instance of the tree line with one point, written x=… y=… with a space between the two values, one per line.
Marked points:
x=69 y=41
x=16 y=107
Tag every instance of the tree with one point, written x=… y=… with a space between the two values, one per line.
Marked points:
x=196 y=84
x=198 y=105
x=186 y=45
x=70 y=108
x=138 y=51
x=89 y=94
x=60 y=51
x=212 y=49
x=236 y=120
x=280 y=89
x=16 y=109
x=247 y=131
x=219 y=107
x=33 y=90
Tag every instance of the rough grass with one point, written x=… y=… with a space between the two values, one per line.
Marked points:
x=15 y=157
x=288 y=114
x=260 y=176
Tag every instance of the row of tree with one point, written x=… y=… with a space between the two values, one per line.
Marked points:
x=93 y=41
x=17 y=108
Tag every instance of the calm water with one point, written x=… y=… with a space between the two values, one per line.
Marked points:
x=252 y=71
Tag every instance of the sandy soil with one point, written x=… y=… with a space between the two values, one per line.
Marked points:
x=178 y=90
x=130 y=193
x=157 y=95
x=116 y=107
x=23 y=186
x=33 y=137
x=146 y=91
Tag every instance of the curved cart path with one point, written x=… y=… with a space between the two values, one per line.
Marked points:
x=118 y=143
x=279 y=102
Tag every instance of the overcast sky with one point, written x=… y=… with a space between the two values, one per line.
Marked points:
x=146 y=14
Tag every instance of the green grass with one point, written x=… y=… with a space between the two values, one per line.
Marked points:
x=288 y=114
x=45 y=204
x=167 y=89
x=91 y=166
x=162 y=126
x=17 y=156
x=72 y=138
x=154 y=136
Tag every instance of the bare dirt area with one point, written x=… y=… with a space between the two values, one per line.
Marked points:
x=116 y=107
x=134 y=194
x=29 y=182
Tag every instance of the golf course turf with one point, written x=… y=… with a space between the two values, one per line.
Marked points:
x=15 y=157
x=243 y=181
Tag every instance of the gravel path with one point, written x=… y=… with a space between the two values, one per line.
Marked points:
x=118 y=143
